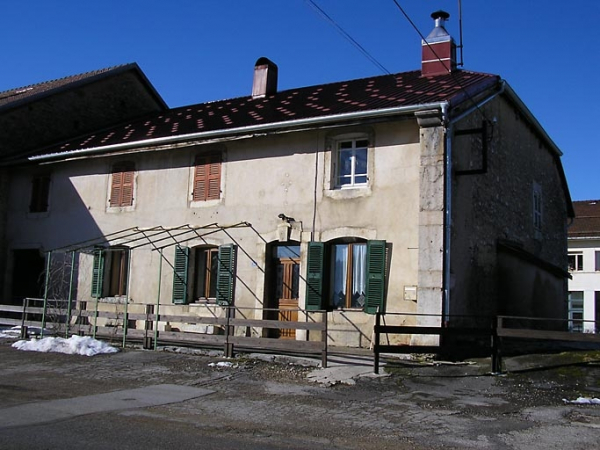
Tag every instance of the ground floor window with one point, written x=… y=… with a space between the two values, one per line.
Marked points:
x=576 y=311
x=110 y=272
x=204 y=273
x=346 y=273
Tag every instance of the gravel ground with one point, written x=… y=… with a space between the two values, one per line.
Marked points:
x=268 y=404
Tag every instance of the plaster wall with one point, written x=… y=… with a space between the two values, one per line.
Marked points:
x=587 y=280
x=261 y=178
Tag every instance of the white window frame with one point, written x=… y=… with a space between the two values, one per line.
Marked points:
x=576 y=310
x=352 y=151
x=578 y=261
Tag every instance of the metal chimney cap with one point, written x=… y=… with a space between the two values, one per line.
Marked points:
x=440 y=15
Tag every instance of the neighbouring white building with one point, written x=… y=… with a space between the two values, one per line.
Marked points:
x=584 y=265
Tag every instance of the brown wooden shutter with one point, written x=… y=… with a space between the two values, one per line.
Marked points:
x=207 y=178
x=121 y=189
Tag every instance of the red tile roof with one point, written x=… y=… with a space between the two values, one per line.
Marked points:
x=367 y=94
x=587 y=219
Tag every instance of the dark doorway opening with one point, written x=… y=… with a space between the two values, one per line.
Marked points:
x=27 y=275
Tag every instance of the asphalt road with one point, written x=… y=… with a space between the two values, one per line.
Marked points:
x=155 y=400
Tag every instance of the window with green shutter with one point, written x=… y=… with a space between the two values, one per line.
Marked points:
x=346 y=274
x=226 y=274
x=376 y=264
x=314 y=276
x=97 y=273
x=180 y=275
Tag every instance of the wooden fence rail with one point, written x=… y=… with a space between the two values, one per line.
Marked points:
x=497 y=330
x=231 y=331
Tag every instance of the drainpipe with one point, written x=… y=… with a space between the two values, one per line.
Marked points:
x=448 y=190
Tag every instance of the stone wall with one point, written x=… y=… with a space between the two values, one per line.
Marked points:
x=497 y=205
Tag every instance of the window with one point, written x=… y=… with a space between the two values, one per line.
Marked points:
x=110 y=272
x=121 y=186
x=351 y=163
x=597 y=255
x=575 y=262
x=576 y=311
x=346 y=275
x=207 y=177
x=40 y=191
x=204 y=273
x=537 y=207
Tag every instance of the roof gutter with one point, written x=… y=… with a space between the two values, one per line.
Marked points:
x=400 y=110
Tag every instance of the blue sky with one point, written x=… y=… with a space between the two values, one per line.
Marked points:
x=194 y=51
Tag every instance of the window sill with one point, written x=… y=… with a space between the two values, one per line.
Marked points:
x=347 y=193
x=118 y=299
x=205 y=203
x=120 y=209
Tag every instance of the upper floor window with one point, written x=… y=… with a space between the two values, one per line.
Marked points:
x=207 y=177
x=537 y=207
x=351 y=163
x=575 y=262
x=122 y=184
x=597 y=254
x=40 y=192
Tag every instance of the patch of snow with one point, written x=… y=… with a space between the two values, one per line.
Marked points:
x=222 y=364
x=13 y=332
x=75 y=345
x=583 y=401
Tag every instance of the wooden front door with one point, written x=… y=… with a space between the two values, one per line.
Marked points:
x=288 y=276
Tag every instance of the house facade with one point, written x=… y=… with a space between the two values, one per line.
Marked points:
x=425 y=195
x=584 y=266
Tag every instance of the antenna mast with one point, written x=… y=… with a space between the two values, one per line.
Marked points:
x=461 y=63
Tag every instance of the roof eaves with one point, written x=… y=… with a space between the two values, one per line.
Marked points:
x=223 y=133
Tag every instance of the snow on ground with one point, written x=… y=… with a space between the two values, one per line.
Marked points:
x=13 y=332
x=583 y=401
x=75 y=345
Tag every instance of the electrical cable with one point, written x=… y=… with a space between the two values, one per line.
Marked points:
x=327 y=17
x=489 y=122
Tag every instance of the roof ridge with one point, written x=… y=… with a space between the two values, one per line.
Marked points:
x=22 y=89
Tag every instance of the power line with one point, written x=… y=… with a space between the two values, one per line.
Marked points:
x=347 y=36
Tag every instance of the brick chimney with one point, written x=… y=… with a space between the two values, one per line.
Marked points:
x=265 y=78
x=438 y=49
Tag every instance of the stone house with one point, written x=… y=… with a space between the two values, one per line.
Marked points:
x=584 y=266
x=426 y=195
x=40 y=115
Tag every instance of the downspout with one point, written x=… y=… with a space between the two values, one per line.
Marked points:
x=448 y=192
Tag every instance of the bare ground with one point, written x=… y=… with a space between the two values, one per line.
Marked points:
x=420 y=405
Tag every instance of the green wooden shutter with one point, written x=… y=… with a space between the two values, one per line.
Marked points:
x=226 y=274
x=97 y=273
x=180 y=275
x=375 y=277
x=314 y=276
